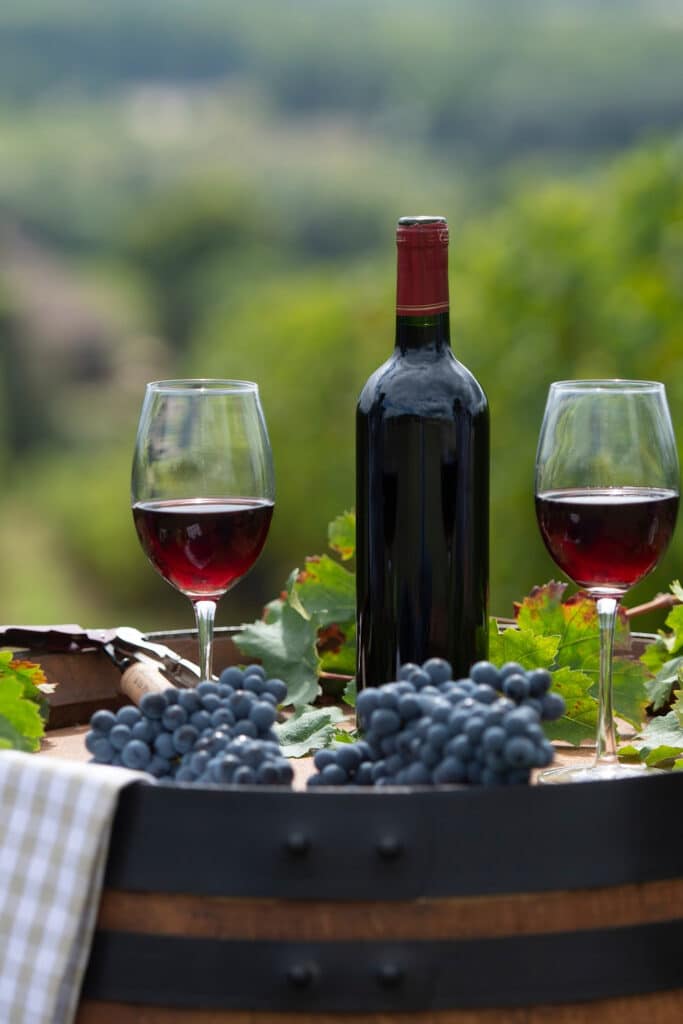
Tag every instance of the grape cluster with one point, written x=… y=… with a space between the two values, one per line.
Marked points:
x=429 y=729
x=220 y=732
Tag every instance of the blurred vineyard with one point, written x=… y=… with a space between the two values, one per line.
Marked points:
x=212 y=189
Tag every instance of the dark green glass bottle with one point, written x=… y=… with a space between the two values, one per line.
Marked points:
x=422 y=482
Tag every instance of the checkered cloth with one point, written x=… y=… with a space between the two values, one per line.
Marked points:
x=55 y=820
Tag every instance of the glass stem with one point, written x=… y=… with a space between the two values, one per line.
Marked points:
x=606 y=745
x=205 y=612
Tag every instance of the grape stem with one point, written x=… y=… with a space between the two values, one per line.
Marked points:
x=658 y=602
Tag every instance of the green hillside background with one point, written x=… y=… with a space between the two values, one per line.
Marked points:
x=212 y=188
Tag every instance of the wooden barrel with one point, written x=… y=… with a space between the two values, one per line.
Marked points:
x=521 y=905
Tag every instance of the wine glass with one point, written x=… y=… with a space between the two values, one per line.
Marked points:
x=202 y=489
x=606 y=503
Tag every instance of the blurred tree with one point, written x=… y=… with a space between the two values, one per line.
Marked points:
x=563 y=279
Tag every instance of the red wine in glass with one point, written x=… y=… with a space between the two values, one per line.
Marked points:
x=203 y=546
x=607 y=537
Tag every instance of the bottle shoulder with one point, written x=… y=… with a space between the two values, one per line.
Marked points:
x=423 y=384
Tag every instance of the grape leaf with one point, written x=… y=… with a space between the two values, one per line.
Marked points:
x=575 y=624
x=660 y=689
x=579 y=722
x=629 y=687
x=337 y=649
x=530 y=649
x=326 y=590
x=32 y=678
x=286 y=647
x=19 y=714
x=350 y=693
x=11 y=738
x=670 y=640
x=341 y=535
x=308 y=729
x=661 y=739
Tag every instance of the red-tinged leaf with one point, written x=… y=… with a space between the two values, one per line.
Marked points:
x=330 y=639
x=341 y=535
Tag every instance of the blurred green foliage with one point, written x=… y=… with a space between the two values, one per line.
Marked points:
x=211 y=189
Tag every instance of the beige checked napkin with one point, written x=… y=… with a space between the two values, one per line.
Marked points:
x=55 y=821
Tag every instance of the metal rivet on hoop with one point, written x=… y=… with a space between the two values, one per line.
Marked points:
x=298 y=844
x=301 y=975
x=390 y=975
x=389 y=847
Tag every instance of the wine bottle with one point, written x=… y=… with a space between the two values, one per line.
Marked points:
x=422 y=479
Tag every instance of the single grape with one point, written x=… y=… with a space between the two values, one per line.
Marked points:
x=384 y=722
x=212 y=701
x=262 y=715
x=323 y=757
x=406 y=670
x=119 y=736
x=128 y=715
x=519 y=752
x=153 y=705
x=516 y=686
x=483 y=672
x=438 y=670
x=164 y=746
x=420 y=679
x=184 y=738
x=221 y=716
x=103 y=720
x=244 y=727
x=553 y=706
x=136 y=755
x=539 y=681
x=159 y=766
x=254 y=671
x=231 y=677
x=349 y=757
x=207 y=688
x=450 y=770
x=511 y=668
x=493 y=738
x=254 y=683
x=277 y=688
x=190 y=701
x=201 y=719
x=173 y=717
x=102 y=750
x=146 y=729
x=241 y=703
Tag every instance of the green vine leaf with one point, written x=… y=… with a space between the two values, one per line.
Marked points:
x=21 y=724
x=326 y=590
x=308 y=729
x=579 y=721
x=574 y=625
x=660 y=689
x=530 y=649
x=286 y=647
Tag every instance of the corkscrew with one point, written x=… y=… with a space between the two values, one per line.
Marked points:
x=144 y=664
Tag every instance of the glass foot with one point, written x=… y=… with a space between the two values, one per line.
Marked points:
x=596 y=773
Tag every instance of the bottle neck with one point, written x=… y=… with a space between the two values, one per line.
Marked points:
x=422 y=320
x=428 y=333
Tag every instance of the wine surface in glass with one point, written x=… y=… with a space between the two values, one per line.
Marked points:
x=607 y=537
x=202 y=546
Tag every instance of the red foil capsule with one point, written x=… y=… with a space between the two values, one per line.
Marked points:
x=422 y=268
